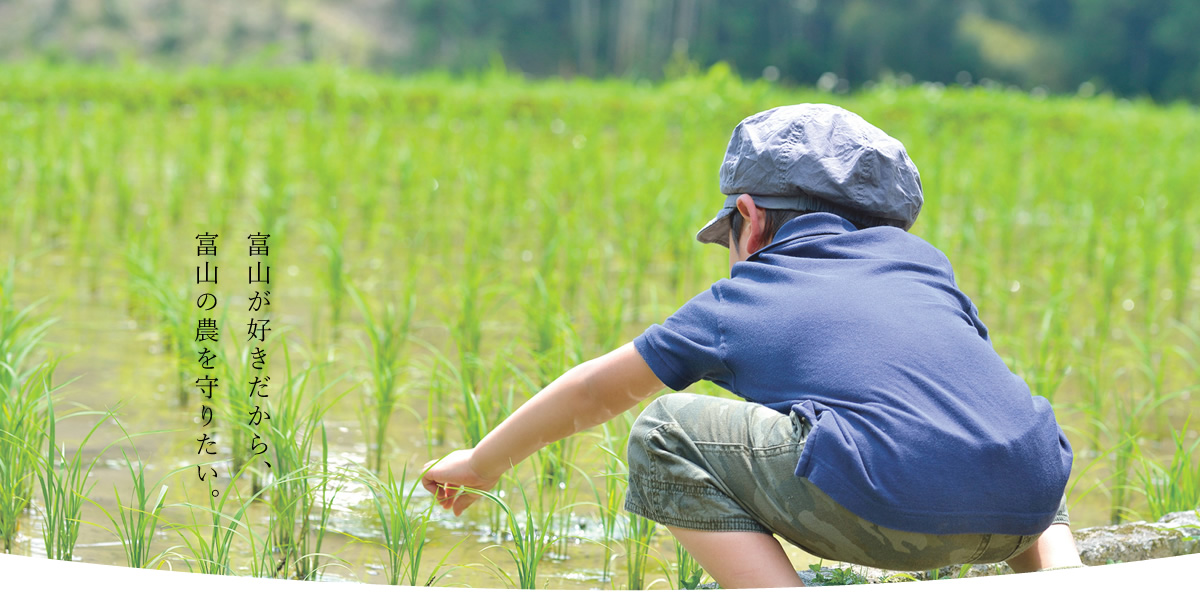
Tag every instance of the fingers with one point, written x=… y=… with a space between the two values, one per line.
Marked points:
x=430 y=485
x=463 y=501
x=428 y=482
x=446 y=483
x=444 y=493
x=450 y=493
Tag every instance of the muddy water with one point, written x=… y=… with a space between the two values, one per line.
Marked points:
x=119 y=362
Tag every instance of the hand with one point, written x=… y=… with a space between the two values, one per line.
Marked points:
x=446 y=478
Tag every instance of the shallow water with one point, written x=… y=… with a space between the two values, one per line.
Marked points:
x=118 y=362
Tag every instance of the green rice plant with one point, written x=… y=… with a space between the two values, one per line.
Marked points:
x=688 y=572
x=638 y=534
x=1112 y=266
x=1130 y=413
x=64 y=485
x=404 y=529
x=22 y=422
x=301 y=502
x=480 y=407
x=1181 y=259
x=1151 y=231
x=263 y=562
x=434 y=424
x=22 y=416
x=211 y=553
x=233 y=405
x=1174 y=487
x=639 y=531
x=554 y=465
x=18 y=334
x=169 y=303
x=331 y=245
x=278 y=193
x=387 y=336
x=609 y=499
x=300 y=497
x=531 y=542
x=607 y=310
x=468 y=329
x=1152 y=364
x=1124 y=436
x=1049 y=355
x=542 y=313
x=556 y=345
x=138 y=521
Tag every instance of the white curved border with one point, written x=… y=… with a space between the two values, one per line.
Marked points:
x=26 y=577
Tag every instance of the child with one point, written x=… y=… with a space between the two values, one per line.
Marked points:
x=880 y=426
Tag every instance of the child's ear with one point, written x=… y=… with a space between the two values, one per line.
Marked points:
x=756 y=219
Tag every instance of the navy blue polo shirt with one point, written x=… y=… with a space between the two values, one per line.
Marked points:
x=918 y=424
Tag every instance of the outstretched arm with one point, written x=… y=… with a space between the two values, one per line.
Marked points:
x=587 y=395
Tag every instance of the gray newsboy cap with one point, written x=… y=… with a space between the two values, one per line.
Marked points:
x=817 y=157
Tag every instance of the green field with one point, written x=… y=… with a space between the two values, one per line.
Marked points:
x=440 y=248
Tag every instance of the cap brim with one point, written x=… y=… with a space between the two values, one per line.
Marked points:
x=716 y=231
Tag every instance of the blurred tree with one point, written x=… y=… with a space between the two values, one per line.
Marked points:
x=1132 y=47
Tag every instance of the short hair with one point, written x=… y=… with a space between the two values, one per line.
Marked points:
x=775 y=218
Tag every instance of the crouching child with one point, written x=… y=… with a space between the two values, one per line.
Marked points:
x=879 y=426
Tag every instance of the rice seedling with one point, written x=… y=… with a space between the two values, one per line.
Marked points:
x=1181 y=261
x=169 y=304
x=1049 y=354
x=554 y=465
x=688 y=572
x=609 y=499
x=542 y=313
x=211 y=553
x=480 y=408
x=1112 y=265
x=19 y=335
x=22 y=416
x=607 y=310
x=387 y=337
x=404 y=529
x=137 y=525
x=434 y=424
x=1124 y=443
x=63 y=483
x=530 y=543
x=468 y=330
x=301 y=495
x=277 y=194
x=1175 y=486
x=301 y=502
x=331 y=245
x=236 y=365
x=22 y=420
x=638 y=534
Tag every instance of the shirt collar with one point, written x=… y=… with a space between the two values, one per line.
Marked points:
x=796 y=231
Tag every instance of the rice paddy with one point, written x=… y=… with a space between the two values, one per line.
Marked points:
x=441 y=248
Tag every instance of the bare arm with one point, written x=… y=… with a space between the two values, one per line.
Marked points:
x=587 y=395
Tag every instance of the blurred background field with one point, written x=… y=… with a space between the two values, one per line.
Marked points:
x=443 y=246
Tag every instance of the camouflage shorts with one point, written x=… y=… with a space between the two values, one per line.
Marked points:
x=713 y=464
